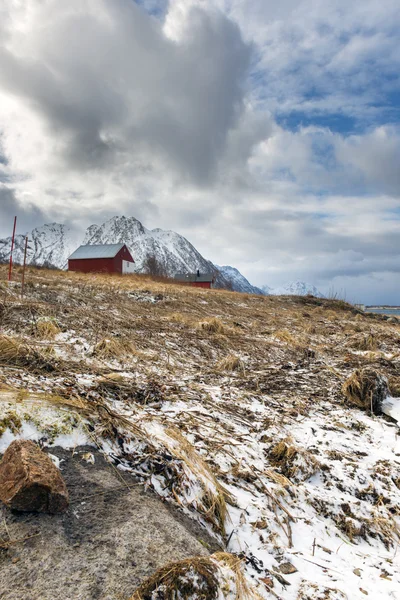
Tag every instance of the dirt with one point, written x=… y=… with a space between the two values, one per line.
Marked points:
x=114 y=535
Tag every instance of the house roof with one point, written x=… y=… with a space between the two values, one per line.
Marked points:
x=97 y=251
x=193 y=277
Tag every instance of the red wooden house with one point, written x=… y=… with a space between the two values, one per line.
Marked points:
x=204 y=280
x=104 y=258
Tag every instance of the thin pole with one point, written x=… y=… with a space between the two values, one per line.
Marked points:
x=12 y=249
x=23 y=268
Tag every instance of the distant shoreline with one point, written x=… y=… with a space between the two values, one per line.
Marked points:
x=382 y=307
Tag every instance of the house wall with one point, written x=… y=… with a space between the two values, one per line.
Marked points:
x=128 y=267
x=202 y=284
x=93 y=265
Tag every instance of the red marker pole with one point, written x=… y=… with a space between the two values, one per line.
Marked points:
x=23 y=268
x=12 y=249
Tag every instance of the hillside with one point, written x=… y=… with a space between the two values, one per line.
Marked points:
x=51 y=244
x=229 y=407
x=168 y=251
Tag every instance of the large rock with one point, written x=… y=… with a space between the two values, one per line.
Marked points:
x=29 y=481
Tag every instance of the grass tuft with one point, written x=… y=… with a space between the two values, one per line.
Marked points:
x=213 y=325
x=46 y=329
x=113 y=348
x=231 y=363
x=366 y=389
x=295 y=463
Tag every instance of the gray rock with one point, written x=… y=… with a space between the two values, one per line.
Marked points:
x=112 y=538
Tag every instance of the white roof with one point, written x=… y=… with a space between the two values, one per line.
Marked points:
x=97 y=251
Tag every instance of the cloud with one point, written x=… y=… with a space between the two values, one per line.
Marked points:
x=264 y=132
x=112 y=86
x=29 y=215
x=375 y=157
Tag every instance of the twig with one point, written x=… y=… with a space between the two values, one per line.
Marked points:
x=5 y=545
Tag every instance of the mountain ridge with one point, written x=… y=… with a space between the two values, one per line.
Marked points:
x=156 y=251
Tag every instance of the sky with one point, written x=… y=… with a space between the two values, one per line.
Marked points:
x=267 y=133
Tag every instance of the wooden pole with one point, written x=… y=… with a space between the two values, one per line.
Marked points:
x=12 y=249
x=23 y=268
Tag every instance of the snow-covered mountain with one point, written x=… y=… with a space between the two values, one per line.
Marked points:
x=297 y=288
x=165 y=252
x=239 y=280
x=49 y=245
x=172 y=252
x=154 y=250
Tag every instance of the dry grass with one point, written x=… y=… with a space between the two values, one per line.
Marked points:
x=213 y=325
x=231 y=363
x=364 y=342
x=188 y=467
x=14 y=353
x=212 y=502
x=114 y=348
x=191 y=578
x=179 y=318
x=200 y=577
x=46 y=329
x=295 y=463
x=366 y=389
x=394 y=386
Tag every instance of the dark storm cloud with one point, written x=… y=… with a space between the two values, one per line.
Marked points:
x=28 y=215
x=110 y=83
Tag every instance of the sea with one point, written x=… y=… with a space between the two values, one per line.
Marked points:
x=384 y=310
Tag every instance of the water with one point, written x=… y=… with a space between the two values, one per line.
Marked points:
x=385 y=311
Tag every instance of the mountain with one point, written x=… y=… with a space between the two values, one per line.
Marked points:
x=297 y=288
x=172 y=253
x=49 y=245
x=157 y=251
x=266 y=290
x=239 y=281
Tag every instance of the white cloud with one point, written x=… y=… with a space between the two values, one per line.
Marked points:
x=107 y=109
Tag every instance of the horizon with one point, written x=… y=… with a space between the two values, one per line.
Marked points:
x=327 y=294
x=267 y=135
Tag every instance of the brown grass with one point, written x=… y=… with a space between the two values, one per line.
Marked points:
x=295 y=463
x=113 y=348
x=366 y=389
x=191 y=578
x=213 y=325
x=200 y=577
x=231 y=363
x=14 y=353
x=46 y=329
x=364 y=342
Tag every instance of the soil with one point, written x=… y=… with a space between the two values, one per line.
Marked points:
x=113 y=536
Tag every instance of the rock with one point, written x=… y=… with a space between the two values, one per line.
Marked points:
x=29 y=481
x=287 y=568
x=393 y=320
x=357 y=572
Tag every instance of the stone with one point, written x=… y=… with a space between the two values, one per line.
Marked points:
x=30 y=482
x=287 y=568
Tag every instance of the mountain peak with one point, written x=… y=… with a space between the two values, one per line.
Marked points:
x=296 y=288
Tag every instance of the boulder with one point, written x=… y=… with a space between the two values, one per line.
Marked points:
x=29 y=481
